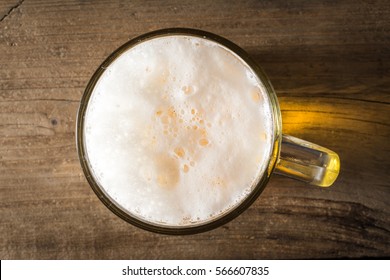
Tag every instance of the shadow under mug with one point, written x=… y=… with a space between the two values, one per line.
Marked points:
x=289 y=156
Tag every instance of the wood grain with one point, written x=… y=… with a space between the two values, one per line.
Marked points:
x=329 y=62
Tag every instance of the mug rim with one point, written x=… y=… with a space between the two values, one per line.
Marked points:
x=219 y=220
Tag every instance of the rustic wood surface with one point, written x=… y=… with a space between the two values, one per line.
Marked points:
x=329 y=62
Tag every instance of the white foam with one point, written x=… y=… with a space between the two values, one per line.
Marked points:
x=178 y=130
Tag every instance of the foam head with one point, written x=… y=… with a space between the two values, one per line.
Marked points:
x=178 y=130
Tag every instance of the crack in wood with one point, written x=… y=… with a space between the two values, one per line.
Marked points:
x=12 y=9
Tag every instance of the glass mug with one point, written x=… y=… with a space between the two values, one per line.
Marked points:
x=287 y=155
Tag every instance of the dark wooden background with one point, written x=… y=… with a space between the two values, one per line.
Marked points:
x=329 y=62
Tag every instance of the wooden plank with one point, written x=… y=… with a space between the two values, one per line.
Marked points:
x=329 y=62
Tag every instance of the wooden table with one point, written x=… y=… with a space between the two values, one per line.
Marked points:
x=329 y=62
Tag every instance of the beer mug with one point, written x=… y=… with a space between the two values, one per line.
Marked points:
x=179 y=131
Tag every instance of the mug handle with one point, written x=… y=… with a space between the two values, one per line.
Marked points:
x=307 y=162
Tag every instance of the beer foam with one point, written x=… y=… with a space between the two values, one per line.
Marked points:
x=178 y=130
